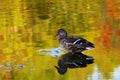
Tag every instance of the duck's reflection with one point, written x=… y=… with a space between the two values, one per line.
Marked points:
x=76 y=60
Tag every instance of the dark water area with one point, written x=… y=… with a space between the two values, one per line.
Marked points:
x=27 y=41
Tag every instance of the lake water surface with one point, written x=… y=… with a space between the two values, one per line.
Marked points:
x=27 y=41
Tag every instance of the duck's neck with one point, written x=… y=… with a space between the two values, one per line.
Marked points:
x=62 y=37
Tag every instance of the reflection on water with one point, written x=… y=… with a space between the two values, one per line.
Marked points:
x=97 y=75
x=73 y=60
x=55 y=52
x=28 y=26
x=116 y=74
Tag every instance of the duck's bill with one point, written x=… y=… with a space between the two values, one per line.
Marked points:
x=56 y=34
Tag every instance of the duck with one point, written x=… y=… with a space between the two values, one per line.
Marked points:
x=78 y=60
x=73 y=44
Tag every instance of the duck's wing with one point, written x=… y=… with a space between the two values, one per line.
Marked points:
x=79 y=41
x=69 y=41
x=72 y=39
x=76 y=43
x=75 y=40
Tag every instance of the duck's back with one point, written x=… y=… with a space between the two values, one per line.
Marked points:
x=72 y=39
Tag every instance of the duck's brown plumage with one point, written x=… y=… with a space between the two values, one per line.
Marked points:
x=73 y=44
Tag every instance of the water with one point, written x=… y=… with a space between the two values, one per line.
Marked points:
x=29 y=50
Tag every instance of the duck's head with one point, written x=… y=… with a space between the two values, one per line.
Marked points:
x=61 y=33
x=61 y=70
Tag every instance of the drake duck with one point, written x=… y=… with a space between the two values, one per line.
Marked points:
x=77 y=60
x=73 y=44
